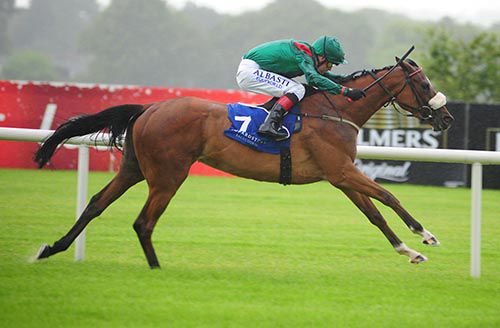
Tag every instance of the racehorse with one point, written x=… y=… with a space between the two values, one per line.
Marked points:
x=162 y=140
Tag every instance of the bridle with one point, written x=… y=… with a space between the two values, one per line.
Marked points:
x=423 y=108
x=426 y=110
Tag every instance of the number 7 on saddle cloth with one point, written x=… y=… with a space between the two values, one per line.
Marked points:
x=245 y=121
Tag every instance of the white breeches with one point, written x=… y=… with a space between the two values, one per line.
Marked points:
x=251 y=77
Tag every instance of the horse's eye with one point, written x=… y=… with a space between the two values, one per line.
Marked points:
x=426 y=87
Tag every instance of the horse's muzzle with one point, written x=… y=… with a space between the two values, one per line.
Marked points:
x=442 y=119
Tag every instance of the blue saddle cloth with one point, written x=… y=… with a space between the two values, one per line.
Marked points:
x=246 y=120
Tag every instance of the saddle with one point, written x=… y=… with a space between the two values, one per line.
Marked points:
x=245 y=122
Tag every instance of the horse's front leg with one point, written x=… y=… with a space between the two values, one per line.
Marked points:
x=366 y=206
x=353 y=179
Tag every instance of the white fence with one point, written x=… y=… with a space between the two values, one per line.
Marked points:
x=474 y=157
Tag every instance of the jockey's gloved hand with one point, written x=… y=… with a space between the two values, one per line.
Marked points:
x=354 y=94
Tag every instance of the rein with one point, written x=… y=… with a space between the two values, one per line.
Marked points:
x=325 y=117
x=390 y=70
x=332 y=118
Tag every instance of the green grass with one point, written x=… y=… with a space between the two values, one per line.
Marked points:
x=241 y=253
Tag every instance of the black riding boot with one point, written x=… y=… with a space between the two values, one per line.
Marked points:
x=272 y=125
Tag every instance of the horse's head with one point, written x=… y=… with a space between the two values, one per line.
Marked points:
x=419 y=97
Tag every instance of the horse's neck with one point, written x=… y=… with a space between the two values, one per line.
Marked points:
x=376 y=97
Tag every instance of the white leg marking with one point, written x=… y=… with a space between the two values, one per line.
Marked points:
x=415 y=257
x=429 y=238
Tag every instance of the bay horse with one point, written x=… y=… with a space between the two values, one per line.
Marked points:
x=162 y=141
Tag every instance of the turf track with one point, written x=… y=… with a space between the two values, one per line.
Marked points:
x=241 y=253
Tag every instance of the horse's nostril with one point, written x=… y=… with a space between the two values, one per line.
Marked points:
x=448 y=119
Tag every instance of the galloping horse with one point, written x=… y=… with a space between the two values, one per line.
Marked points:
x=164 y=139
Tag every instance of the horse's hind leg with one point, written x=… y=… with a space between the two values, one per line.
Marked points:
x=121 y=182
x=162 y=187
x=366 y=206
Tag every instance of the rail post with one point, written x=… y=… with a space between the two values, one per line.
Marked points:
x=81 y=197
x=476 y=189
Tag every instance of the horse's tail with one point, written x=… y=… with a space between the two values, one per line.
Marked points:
x=115 y=120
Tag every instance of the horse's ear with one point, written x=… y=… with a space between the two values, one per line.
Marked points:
x=397 y=59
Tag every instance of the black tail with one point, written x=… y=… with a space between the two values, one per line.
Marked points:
x=115 y=120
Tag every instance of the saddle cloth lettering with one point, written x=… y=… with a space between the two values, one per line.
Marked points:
x=246 y=120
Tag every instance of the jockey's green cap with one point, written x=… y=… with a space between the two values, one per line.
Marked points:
x=330 y=48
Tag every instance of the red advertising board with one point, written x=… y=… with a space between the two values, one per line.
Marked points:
x=37 y=105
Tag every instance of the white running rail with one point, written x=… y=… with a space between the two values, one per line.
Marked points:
x=34 y=135
x=474 y=157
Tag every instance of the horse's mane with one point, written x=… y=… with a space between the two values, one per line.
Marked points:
x=346 y=78
x=357 y=74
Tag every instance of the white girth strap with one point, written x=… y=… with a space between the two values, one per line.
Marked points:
x=438 y=101
x=341 y=120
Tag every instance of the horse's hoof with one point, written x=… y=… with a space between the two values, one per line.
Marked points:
x=43 y=252
x=431 y=241
x=418 y=259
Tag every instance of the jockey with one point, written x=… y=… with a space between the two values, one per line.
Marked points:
x=269 y=69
